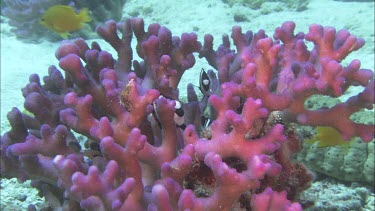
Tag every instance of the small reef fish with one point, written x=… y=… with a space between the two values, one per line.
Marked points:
x=204 y=82
x=178 y=115
x=62 y=19
x=328 y=137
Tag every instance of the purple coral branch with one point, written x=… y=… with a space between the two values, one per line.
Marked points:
x=146 y=149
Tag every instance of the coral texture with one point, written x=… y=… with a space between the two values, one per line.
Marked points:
x=146 y=150
x=353 y=163
x=332 y=195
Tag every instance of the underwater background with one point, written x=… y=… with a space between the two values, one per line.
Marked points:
x=33 y=51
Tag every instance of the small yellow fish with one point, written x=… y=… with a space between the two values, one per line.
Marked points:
x=26 y=112
x=62 y=19
x=327 y=137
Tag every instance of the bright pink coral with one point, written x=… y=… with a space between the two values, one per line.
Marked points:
x=144 y=149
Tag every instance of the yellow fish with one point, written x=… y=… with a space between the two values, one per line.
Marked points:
x=62 y=19
x=327 y=137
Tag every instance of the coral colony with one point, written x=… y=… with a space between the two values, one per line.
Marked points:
x=228 y=147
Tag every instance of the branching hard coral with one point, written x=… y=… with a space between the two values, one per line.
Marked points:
x=147 y=150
